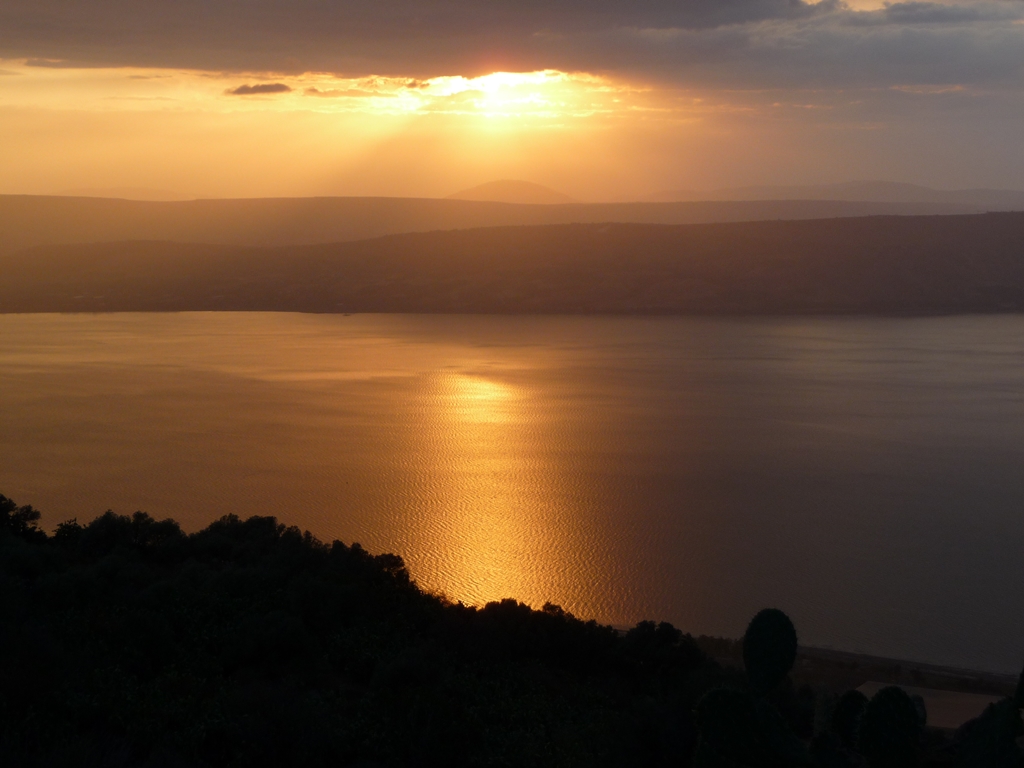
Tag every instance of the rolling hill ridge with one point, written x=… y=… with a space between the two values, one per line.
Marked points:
x=27 y=221
x=872 y=265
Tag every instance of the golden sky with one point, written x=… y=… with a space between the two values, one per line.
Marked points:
x=602 y=101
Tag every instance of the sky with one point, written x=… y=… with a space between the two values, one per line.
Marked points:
x=600 y=99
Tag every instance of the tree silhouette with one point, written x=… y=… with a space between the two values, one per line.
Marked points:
x=127 y=642
x=769 y=649
x=890 y=730
x=19 y=521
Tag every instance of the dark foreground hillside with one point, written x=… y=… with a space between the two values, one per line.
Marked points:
x=126 y=642
x=889 y=265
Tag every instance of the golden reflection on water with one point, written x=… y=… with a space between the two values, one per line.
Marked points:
x=473 y=400
x=625 y=468
x=498 y=510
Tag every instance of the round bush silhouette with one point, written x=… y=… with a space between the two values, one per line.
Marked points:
x=769 y=649
x=847 y=716
x=890 y=730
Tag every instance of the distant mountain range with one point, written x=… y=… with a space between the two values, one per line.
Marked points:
x=875 y=265
x=128 y=193
x=27 y=220
x=869 y=191
x=512 y=191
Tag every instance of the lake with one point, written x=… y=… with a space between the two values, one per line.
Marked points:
x=864 y=475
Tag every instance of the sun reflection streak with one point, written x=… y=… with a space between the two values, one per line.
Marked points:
x=478 y=401
x=498 y=533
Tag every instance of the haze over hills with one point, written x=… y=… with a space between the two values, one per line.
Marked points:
x=513 y=191
x=27 y=220
x=872 y=191
x=873 y=265
x=128 y=193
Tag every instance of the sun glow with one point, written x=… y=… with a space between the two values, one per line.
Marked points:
x=514 y=93
x=205 y=134
x=542 y=94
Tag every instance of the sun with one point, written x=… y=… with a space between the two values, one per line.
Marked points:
x=503 y=93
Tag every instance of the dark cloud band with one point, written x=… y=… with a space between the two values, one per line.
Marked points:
x=698 y=43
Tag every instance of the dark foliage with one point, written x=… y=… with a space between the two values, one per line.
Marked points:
x=990 y=741
x=769 y=649
x=847 y=716
x=1018 y=695
x=729 y=733
x=890 y=730
x=126 y=642
x=19 y=521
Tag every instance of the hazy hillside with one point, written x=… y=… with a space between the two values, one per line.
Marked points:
x=127 y=193
x=512 y=191
x=27 y=221
x=873 y=191
x=901 y=265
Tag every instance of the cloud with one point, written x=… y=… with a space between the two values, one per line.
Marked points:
x=418 y=38
x=941 y=13
x=839 y=49
x=686 y=43
x=339 y=93
x=49 y=63
x=260 y=88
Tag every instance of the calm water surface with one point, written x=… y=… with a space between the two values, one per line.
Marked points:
x=867 y=476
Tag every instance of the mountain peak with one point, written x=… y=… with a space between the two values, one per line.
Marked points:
x=512 y=191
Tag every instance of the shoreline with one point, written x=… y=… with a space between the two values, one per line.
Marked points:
x=843 y=670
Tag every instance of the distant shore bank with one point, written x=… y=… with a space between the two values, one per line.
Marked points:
x=886 y=266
